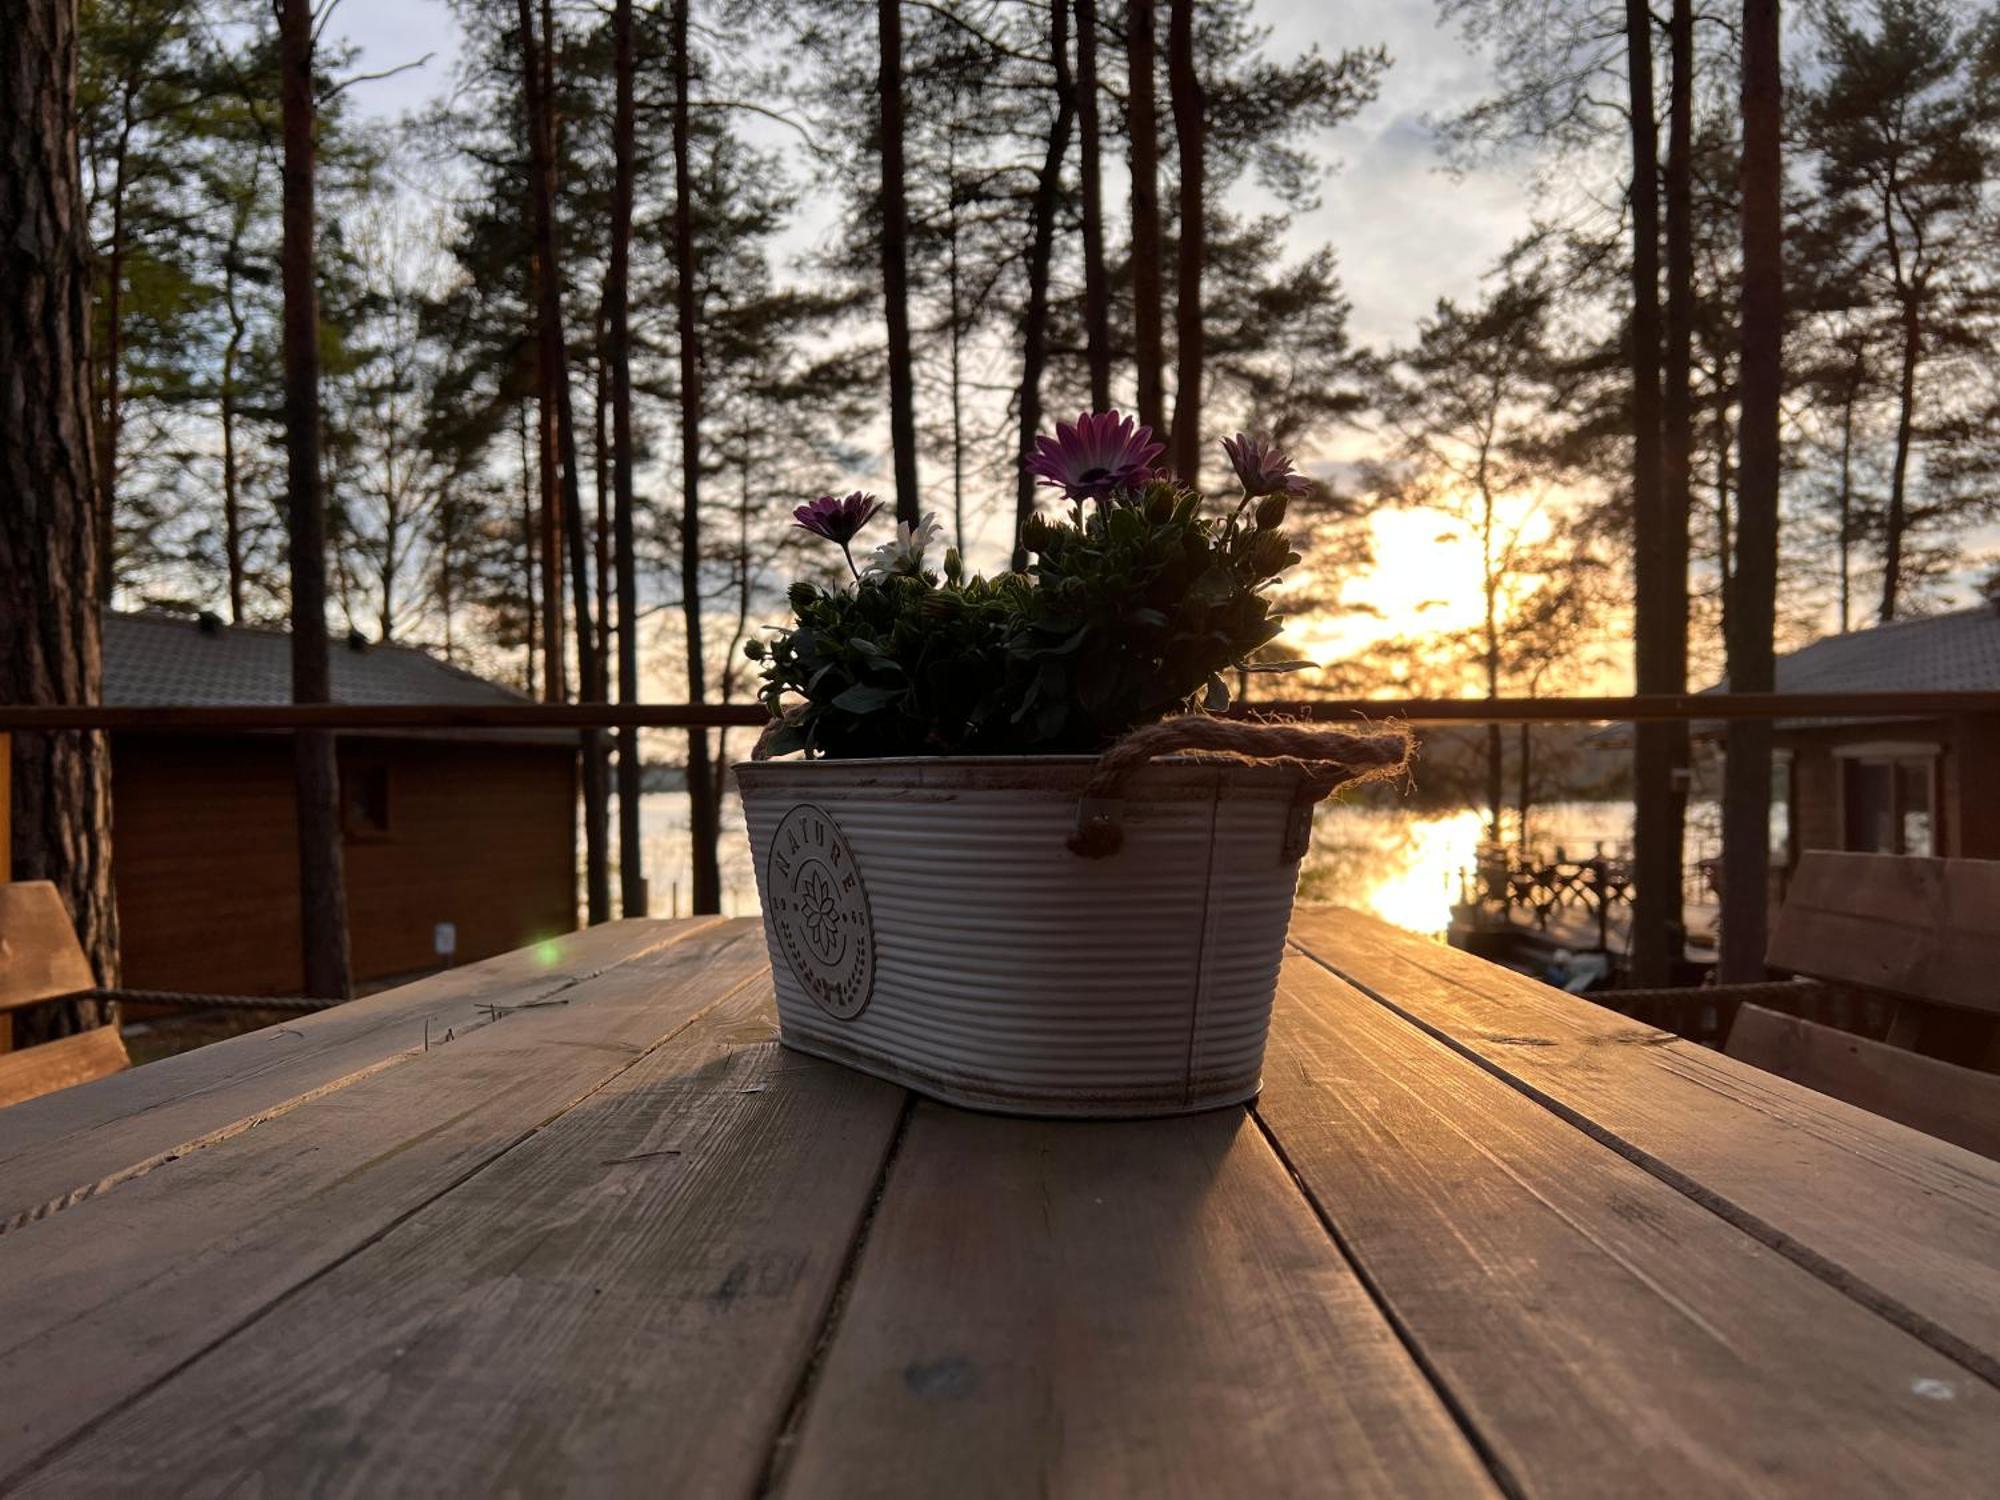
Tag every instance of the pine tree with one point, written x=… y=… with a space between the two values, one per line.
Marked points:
x=1469 y=407
x=49 y=516
x=1902 y=130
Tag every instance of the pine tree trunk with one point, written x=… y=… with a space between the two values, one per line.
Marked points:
x=1190 y=134
x=232 y=501
x=956 y=377
x=1096 y=287
x=1524 y=780
x=113 y=358
x=1850 y=396
x=703 y=791
x=1143 y=130
x=1897 y=522
x=1724 y=560
x=1677 y=413
x=1041 y=250
x=548 y=355
x=1490 y=647
x=618 y=334
x=552 y=367
x=895 y=262
x=1658 y=807
x=589 y=679
x=1746 y=789
x=529 y=633
x=49 y=651
x=322 y=879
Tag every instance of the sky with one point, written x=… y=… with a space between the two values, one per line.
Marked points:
x=1406 y=231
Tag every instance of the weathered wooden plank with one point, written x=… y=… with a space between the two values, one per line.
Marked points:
x=1146 y=1309
x=1928 y=929
x=103 y=1299
x=40 y=958
x=1909 y=1224
x=61 y=1064
x=622 y=1304
x=54 y=1148
x=1604 y=1333
x=1954 y=1104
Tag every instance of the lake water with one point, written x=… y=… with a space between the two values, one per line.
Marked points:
x=1402 y=864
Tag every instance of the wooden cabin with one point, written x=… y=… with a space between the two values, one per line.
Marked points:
x=1910 y=786
x=465 y=836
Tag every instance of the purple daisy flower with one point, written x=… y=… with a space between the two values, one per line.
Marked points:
x=835 y=519
x=1262 y=469
x=1099 y=456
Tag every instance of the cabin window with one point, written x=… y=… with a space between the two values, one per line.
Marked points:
x=365 y=801
x=1889 y=803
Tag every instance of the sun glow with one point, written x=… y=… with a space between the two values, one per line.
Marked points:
x=1425 y=580
x=1416 y=890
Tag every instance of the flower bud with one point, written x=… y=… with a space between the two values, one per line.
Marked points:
x=1271 y=510
x=1268 y=553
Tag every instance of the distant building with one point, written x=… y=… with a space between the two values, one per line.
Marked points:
x=1902 y=786
x=472 y=830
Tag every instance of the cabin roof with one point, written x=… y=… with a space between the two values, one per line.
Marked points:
x=1953 y=652
x=155 y=659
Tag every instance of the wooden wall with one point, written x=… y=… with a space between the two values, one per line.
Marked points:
x=1972 y=786
x=1968 y=774
x=482 y=834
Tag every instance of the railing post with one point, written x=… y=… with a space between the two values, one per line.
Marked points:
x=6 y=853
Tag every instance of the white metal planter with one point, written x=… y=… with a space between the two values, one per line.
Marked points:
x=929 y=923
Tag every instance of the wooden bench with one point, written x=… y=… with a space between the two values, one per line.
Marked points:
x=40 y=961
x=1923 y=937
x=1924 y=933
x=1960 y=1105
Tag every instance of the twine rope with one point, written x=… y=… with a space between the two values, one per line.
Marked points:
x=1326 y=760
x=762 y=749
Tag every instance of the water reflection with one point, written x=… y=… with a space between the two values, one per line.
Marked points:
x=1402 y=864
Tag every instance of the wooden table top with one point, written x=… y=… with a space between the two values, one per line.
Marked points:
x=602 y=1235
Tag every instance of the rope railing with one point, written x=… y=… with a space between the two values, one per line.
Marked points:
x=360 y=717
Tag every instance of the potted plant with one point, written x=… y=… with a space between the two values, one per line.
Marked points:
x=1019 y=864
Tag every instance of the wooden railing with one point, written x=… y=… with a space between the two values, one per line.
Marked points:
x=364 y=716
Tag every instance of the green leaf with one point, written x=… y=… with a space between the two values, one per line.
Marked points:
x=1213 y=586
x=864 y=698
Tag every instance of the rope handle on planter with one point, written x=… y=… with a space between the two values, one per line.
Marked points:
x=1326 y=759
x=762 y=749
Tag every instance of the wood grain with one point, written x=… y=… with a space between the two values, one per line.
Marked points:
x=1954 y=1104
x=1606 y=1334
x=1927 y=929
x=1099 y=1309
x=1907 y=1223
x=622 y=1303
x=482 y=835
x=66 y=1145
x=61 y=1064
x=40 y=958
x=102 y=1300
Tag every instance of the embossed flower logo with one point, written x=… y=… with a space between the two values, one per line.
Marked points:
x=817 y=908
x=819 y=911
